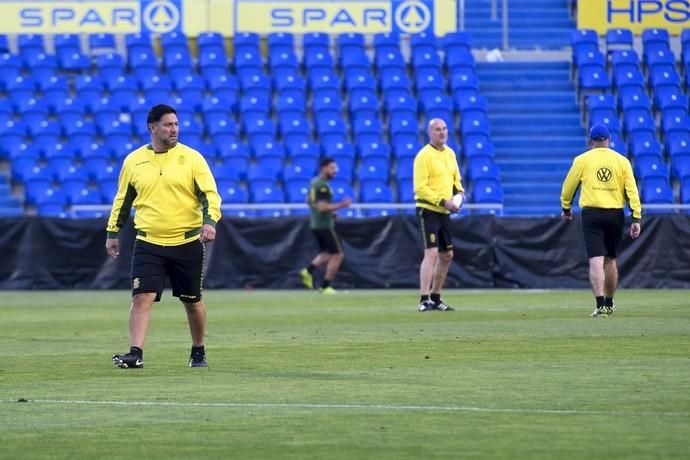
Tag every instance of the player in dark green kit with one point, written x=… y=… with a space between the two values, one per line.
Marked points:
x=322 y=225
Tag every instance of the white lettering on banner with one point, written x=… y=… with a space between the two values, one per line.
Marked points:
x=58 y=17
x=318 y=17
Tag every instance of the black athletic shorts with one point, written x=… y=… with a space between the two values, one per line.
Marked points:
x=603 y=230
x=435 y=229
x=152 y=264
x=328 y=240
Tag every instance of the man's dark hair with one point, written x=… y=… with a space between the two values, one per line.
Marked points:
x=326 y=161
x=157 y=112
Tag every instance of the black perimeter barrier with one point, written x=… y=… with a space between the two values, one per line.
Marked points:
x=385 y=252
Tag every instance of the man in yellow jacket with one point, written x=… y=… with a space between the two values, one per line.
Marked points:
x=177 y=207
x=606 y=180
x=438 y=192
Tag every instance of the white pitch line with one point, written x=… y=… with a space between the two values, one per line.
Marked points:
x=375 y=407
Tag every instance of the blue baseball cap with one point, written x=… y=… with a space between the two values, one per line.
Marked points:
x=599 y=133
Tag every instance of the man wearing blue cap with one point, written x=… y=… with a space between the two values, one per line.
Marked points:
x=606 y=180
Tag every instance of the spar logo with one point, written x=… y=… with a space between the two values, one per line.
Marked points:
x=161 y=16
x=412 y=17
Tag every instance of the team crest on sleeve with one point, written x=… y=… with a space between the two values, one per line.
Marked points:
x=136 y=283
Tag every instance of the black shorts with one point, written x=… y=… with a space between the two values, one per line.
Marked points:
x=435 y=229
x=603 y=230
x=152 y=264
x=328 y=240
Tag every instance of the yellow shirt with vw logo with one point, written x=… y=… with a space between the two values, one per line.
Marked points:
x=606 y=180
x=173 y=192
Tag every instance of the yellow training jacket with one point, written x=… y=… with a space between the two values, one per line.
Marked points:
x=174 y=193
x=606 y=180
x=436 y=177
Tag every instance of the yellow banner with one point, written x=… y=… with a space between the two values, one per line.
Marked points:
x=636 y=15
x=70 y=17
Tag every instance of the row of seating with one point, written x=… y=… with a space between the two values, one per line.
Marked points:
x=625 y=106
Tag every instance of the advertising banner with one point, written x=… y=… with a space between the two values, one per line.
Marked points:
x=636 y=15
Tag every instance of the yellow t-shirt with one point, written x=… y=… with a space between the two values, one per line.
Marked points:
x=606 y=180
x=436 y=177
x=173 y=192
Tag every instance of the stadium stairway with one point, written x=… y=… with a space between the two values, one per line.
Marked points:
x=536 y=131
x=544 y=24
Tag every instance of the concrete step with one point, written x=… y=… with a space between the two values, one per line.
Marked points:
x=530 y=86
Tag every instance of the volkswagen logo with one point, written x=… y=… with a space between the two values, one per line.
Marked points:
x=604 y=174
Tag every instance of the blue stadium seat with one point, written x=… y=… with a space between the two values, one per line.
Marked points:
x=303 y=150
x=603 y=103
x=290 y=105
x=73 y=61
x=178 y=64
x=656 y=191
x=593 y=79
x=619 y=39
x=660 y=60
x=678 y=103
x=316 y=41
x=464 y=83
x=375 y=191
x=389 y=59
x=625 y=60
x=110 y=66
x=584 y=36
x=143 y=62
x=405 y=149
x=482 y=168
x=655 y=39
x=459 y=61
x=475 y=126
x=21 y=88
x=660 y=79
x=280 y=40
x=243 y=40
x=256 y=85
x=340 y=150
x=670 y=124
x=487 y=191
x=374 y=169
x=137 y=42
x=440 y=106
x=30 y=44
x=645 y=147
x=231 y=191
x=212 y=63
x=12 y=67
x=648 y=167
x=318 y=59
x=262 y=192
x=354 y=59
x=101 y=43
x=233 y=150
x=681 y=167
x=628 y=78
x=587 y=59
x=252 y=105
x=405 y=168
x=323 y=79
x=363 y=106
x=290 y=83
x=174 y=42
x=423 y=41
x=326 y=106
x=394 y=79
x=33 y=111
x=350 y=40
x=213 y=42
x=297 y=191
x=402 y=123
x=43 y=66
x=639 y=122
x=374 y=149
x=67 y=42
x=401 y=104
x=282 y=60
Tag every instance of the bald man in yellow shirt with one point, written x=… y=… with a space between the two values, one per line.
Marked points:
x=606 y=182
x=436 y=181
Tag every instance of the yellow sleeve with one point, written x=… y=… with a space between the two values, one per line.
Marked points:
x=422 y=190
x=570 y=185
x=631 y=191
x=457 y=180
x=206 y=191
x=122 y=204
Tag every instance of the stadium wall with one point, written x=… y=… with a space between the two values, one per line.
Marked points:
x=45 y=253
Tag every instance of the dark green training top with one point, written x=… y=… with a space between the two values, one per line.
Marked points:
x=320 y=190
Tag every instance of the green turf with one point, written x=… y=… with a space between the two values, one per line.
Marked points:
x=512 y=374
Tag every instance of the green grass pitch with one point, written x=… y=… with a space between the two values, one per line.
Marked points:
x=361 y=375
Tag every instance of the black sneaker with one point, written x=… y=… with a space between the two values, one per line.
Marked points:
x=197 y=360
x=128 y=361
x=426 y=305
x=442 y=306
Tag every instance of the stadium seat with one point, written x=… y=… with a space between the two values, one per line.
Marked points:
x=626 y=78
x=619 y=39
x=72 y=61
x=625 y=60
x=232 y=192
x=280 y=41
x=354 y=59
x=681 y=166
x=30 y=44
x=646 y=168
x=318 y=59
x=290 y=83
x=211 y=42
x=266 y=193
x=386 y=60
x=685 y=191
x=482 y=168
x=174 y=42
x=374 y=169
x=340 y=150
x=655 y=39
x=67 y=42
x=101 y=43
x=316 y=41
x=374 y=191
x=246 y=40
x=660 y=61
x=487 y=191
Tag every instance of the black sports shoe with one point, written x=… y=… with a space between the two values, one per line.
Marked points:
x=198 y=360
x=442 y=306
x=425 y=305
x=128 y=361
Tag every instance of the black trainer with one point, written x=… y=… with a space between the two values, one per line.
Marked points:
x=198 y=360
x=425 y=305
x=128 y=361
x=442 y=306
